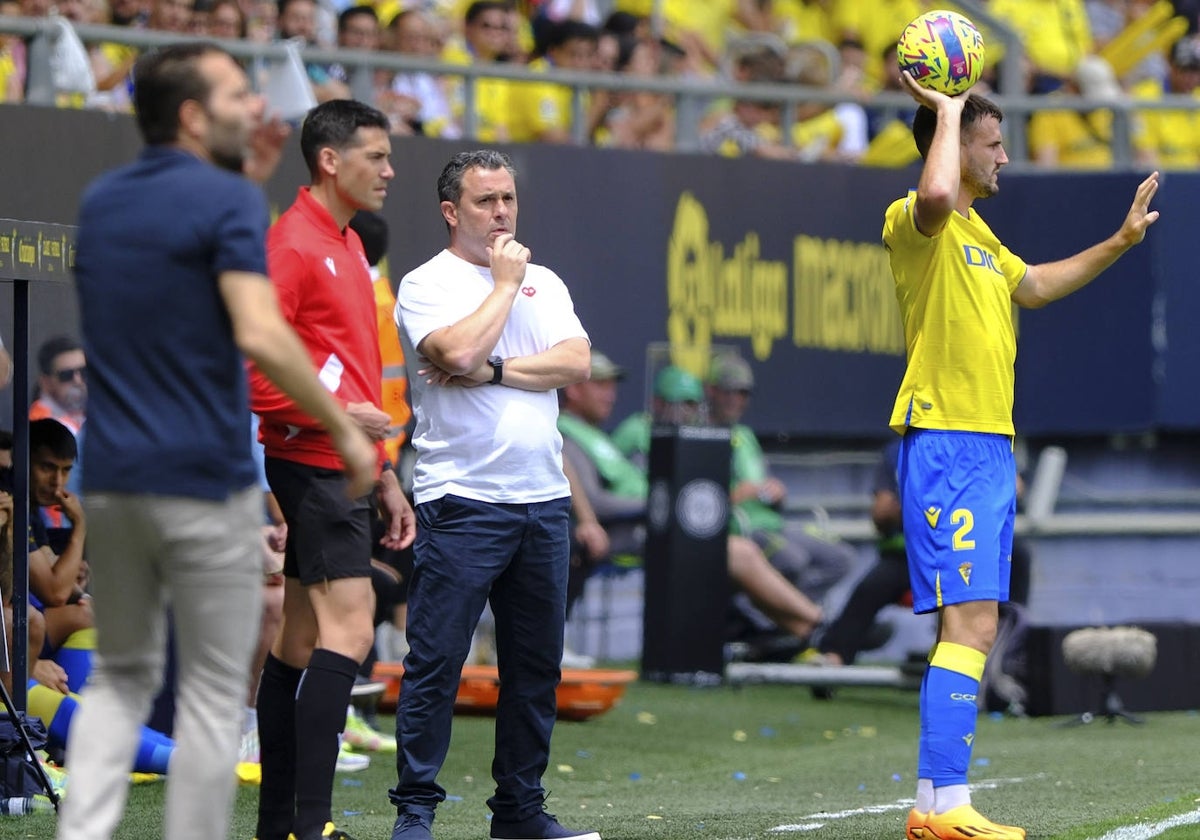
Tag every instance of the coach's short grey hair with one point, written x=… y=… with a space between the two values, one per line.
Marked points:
x=450 y=182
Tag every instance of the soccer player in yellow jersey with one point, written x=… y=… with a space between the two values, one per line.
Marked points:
x=956 y=284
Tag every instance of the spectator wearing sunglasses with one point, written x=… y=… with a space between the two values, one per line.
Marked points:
x=62 y=383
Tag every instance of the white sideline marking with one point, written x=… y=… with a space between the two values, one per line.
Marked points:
x=903 y=805
x=798 y=827
x=1144 y=831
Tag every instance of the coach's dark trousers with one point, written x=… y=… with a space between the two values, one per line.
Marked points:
x=467 y=553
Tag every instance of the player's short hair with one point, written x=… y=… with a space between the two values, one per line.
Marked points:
x=51 y=435
x=163 y=80
x=449 y=184
x=334 y=125
x=976 y=108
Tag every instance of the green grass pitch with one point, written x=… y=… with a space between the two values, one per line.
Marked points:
x=771 y=762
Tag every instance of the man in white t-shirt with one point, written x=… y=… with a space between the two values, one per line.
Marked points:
x=495 y=336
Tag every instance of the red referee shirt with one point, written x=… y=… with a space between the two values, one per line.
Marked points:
x=325 y=291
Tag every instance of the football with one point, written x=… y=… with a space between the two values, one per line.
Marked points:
x=943 y=51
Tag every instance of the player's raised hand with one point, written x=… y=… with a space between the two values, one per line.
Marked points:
x=508 y=259
x=1140 y=216
x=931 y=99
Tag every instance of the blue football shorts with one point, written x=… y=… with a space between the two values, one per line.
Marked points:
x=958 y=494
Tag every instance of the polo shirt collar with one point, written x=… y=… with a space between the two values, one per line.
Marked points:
x=167 y=150
x=316 y=214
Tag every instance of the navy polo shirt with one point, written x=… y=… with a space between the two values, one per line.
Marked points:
x=167 y=395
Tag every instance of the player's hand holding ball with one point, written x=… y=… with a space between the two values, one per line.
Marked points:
x=942 y=51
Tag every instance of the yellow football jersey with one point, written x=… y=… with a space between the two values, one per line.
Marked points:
x=709 y=19
x=1078 y=141
x=818 y=135
x=803 y=21
x=538 y=107
x=492 y=98
x=955 y=294
x=892 y=147
x=1171 y=137
x=1055 y=34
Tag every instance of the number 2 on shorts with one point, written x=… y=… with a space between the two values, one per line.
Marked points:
x=966 y=523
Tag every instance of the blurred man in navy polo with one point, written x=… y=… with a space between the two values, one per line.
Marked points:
x=172 y=292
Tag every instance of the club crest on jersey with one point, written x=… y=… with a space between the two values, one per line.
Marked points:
x=978 y=258
x=964 y=571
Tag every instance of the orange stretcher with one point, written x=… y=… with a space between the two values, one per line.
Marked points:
x=583 y=693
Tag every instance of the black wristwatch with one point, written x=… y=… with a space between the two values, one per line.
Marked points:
x=497 y=364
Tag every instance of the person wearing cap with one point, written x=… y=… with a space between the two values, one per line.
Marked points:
x=677 y=399
x=811 y=563
x=617 y=488
x=1170 y=138
x=597 y=467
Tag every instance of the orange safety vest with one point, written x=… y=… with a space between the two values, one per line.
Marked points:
x=39 y=409
x=395 y=378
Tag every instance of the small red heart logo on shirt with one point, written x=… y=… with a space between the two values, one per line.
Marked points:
x=528 y=291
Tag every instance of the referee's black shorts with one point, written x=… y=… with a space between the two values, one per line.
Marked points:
x=329 y=534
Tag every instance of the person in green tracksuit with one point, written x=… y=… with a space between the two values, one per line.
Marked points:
x=617 y=489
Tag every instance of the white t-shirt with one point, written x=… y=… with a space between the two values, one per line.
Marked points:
x=492 y=443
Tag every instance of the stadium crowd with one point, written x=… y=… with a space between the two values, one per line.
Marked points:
x=1100 y=49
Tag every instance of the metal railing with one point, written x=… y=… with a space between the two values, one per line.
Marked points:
x=691 y=97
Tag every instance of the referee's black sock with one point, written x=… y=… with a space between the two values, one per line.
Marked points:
x=321 y=705
x=277 y=744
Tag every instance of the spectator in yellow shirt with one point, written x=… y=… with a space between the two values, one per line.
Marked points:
x=487 y=39
x=542 y=111
x=1056 y=35
x=1074 y=139
x=1170 y=139
x=636 y=119
x=805 y=20
x=700 y=26
x=751 y=126
x=890 y=128
x=871 y=27
x=12 y=58
x=824 y=132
